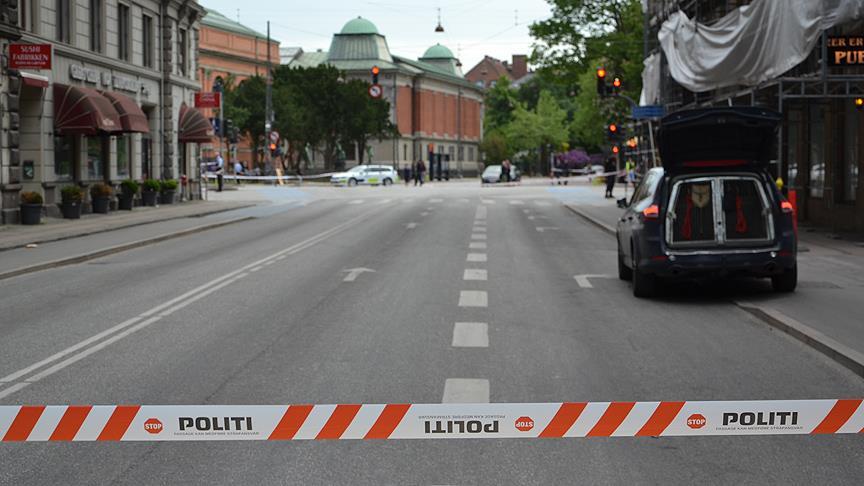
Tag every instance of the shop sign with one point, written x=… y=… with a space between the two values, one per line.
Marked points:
x=30 y=56
x=126 y=84
x=81 y=73
x=846 y=50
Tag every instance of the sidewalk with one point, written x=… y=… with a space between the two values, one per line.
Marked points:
x=825 y=311
x=54 y=229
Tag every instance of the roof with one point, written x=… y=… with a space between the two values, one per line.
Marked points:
x=309 y=59
x=438 y=52
x=355 y=47
x=436 y=71
x=359 y=26
x=216 y=20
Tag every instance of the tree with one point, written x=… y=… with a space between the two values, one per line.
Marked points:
x=363 y=117
x=500 y=104
x=244 y=105
x=494 y=147
x=542 y=129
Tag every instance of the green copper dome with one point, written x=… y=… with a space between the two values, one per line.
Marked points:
x=438 y=52
x=359 y=26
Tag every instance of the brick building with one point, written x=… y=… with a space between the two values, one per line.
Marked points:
x=115 y=104
x=490 y=70
x=437 y=111
x=230 y=49
x=819 y=149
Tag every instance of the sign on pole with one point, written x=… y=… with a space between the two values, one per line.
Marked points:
x=29 y=56
x=375 y=91
x=649 y=111
x=274 y=137
x=207 y=100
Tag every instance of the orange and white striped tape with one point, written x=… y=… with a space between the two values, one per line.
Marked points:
x=428 y=421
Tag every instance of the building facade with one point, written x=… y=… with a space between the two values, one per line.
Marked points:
x=438 y=113
x=489 y=70
x=117 y=102
x=819 y=148
x=229 y=49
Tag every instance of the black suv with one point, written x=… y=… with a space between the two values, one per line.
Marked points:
x=713 y=210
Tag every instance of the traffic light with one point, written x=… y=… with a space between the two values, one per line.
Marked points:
x=272 y=149
x=375 y=72
x=229 y=130
x=615 y=149
x=859 y=103
x=613 y=129
x=601 y=82
x=616 y=85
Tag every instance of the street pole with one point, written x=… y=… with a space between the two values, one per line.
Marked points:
x=268 y=117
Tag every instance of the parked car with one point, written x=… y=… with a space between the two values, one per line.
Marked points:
x=714 y=209
x=492 y=174
x=366 y=174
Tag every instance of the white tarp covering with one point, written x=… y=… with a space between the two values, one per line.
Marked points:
x=751 y=44
x=651 y=81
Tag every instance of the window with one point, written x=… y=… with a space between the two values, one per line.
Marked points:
x=850 y=159
x=147 y=158
x=95 y=159
x=817 y=151
x=30 y=15
x=182 y=49
x=470 y=153
x=147 y=41
x=461 y=153
x=64 y=156
x=404 y=151
x=123 y=156
x=64 y=20
x=123 y=31
x=96 y=25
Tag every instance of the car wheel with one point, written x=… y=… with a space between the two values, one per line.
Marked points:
x=786 y=281
x=352 y=182
x=387 y=182
x=644 y=284
x=624 y=272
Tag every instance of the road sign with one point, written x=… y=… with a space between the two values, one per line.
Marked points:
x=29 y=56
x=649 y=111
x=524 y=423
x=274 y=137
x=207 y=100
x=375 y=91
x=153 y=425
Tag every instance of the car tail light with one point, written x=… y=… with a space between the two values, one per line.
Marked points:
x=651 y=212
x=787 y=207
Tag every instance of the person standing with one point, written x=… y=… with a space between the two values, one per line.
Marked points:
x=220 y=168
x=505 y=171
x=420 y=168
x=611 y=172
x=238 y=171
x=406 y=173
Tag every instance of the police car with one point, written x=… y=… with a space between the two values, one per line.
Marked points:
x=372 y=175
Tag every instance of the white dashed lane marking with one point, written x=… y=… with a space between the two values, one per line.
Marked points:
x=473 y=298
x=478 y=236
x=466 y=390
x=488 y=201
x=475 y=274
x=479 y=229
x=480 y=213
x=476 y=257
x=411 y=225
x=470 y=335
x=516 y=202
x=356 y=201
x=477 y=245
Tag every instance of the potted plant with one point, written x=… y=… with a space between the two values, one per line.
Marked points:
x=101 y=193
x=128 y=189
x=149 y=190
x=71 y=198
x=31 y=208
x=169 y=189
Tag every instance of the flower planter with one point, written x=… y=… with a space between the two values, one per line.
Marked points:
x=101 y=205
x=71 y=210
x=124 y=202
x=31 y=213
x=168 y=197
x=149 y=197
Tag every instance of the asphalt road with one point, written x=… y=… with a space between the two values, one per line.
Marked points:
x=212 y=325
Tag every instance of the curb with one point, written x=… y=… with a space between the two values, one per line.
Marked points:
x=118 y=248
x=123 y=226
x=591 y=219
x=837 y=351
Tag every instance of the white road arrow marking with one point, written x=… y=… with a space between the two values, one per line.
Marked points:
x=411 y=225
x=541 y=229
x=583 y=281
x=353 y=273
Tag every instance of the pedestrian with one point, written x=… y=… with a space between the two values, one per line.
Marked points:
x=406 y=173
x=611 y=172
x=631 y=172
x=419 y=169
x=238 y=171
x=505 y=171
x=220 y=168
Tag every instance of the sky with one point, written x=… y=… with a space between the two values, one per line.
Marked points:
x=472 y=28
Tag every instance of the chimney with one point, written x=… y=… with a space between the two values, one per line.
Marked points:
x=520 y=66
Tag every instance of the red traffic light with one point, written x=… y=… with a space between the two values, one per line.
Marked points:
x=615 y=149
x=601 y=73
x=272 y=146
x=613 y=128
x=376 y=70
x=616 y=82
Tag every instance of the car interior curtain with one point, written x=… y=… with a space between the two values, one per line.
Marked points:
x=751 y=44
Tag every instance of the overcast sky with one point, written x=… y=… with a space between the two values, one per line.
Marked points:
x=472 y=28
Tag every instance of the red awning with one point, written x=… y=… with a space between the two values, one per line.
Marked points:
x=83 y=111
x=34 y=80
x=132 y=119
x=194 y=127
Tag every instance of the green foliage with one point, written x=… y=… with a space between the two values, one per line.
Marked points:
x=363 y=117
x=500 y=103
x=129 y=187
x=588 y=125
x=494 y=147
x=71 y=194
x=169 y=185
x=151 y=185
x=30 y=197
x=100 y=189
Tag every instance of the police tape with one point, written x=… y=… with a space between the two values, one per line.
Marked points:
x=428 y=421
x=231 y=177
